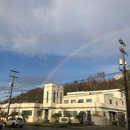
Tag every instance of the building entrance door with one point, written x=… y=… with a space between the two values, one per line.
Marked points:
x=46 y=114
x=89 y=117
x=121 y=119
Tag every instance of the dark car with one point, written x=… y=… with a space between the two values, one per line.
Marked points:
x=1 y=124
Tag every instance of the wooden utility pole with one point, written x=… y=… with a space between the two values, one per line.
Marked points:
x=12 y=85
x=125 y=80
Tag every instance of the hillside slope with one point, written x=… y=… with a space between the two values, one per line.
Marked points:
x=36 y=95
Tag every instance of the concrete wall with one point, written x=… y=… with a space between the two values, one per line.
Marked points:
x=49 y=91
x=101 y=121
x=118 y=106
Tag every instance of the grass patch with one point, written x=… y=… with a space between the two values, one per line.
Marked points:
x=53 y=124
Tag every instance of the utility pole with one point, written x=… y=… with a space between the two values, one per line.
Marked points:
x=12 y=85
x=125 y=80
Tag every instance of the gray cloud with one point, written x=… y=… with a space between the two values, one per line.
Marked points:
x=23 y=84
x=79 y=28
x=58 y=27
x=30 y=80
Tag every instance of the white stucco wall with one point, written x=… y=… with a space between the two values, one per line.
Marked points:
x=100 y=103
x=19 y=107
x=51 y=89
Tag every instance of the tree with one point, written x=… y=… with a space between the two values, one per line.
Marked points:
x=13 y=113
x=68 y=115
x=56 y=116
x=25 y=117
x=2 y=113
x=80 y=117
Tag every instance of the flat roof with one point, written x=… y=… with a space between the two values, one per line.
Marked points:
x=92 y=92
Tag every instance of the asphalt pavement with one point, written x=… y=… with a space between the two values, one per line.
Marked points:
x=67 y=128
x=103 y=128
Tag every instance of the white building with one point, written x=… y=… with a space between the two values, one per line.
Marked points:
x=102 y=107
x=31 y=109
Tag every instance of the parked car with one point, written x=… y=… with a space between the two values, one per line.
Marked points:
x=14 y=122
x=1 y=124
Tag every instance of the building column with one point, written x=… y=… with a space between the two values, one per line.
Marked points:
x=43 y=115
x=49 y=115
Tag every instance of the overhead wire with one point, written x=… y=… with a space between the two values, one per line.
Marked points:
x=92 y=57
x=57 y=82
x=92 y=78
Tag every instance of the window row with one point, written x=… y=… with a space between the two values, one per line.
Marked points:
x=74 y=113
x=27 y=112
x=70 y=113
x=117 y=102
x=55 y=95
x=79 y=101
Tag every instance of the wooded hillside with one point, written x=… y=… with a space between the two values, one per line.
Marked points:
x=36 y=95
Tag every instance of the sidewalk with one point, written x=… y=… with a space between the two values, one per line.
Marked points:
x=102 y=128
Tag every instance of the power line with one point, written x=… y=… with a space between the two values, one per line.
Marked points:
x=87 y=79
x=57 y=82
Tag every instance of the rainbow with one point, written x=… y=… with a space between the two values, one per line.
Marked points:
x=81 y=48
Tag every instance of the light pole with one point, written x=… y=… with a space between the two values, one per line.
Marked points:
x=12 y=85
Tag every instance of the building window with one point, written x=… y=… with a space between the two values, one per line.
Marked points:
x=54 y=97
x=88 y=100
x=72 y=113
x=27 y=112
x=111 y=94
x=104 y=114
x=116 y=102
x=81 y=101
x=60 y=112
x=72 y=101
x=57 y=94
x=60 y=98
x=39 y=112
x=122 y=102
x=110 y=101
x=66 y=101
x=121 y=94
x=47 y=97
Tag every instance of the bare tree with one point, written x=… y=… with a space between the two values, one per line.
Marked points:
x=64 y=113
x=80 y=117
x=13 y=113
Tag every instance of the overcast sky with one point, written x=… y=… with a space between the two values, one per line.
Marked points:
x=60 y=41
